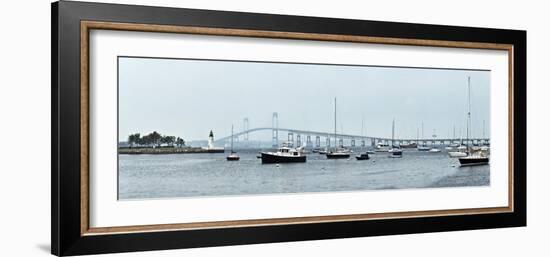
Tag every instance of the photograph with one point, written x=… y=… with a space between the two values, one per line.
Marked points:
x=211 y=128
x=194 y=126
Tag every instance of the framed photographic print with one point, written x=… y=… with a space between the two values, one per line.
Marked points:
x=178 y=128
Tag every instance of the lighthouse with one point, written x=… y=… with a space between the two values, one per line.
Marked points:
x=211 y=148
x=211 y=140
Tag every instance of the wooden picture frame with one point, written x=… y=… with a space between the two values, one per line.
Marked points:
x=71 y=24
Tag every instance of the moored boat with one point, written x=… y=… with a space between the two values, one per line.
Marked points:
x=423 y=148
x=410 y=145
x=456 y=154
x=285 y=154
x=340 y=153
x=434 y=150
x=395 y=152
x=362 y=157
x=233 y=155
x=473 y=157
x=477 y=158
x=382 y=147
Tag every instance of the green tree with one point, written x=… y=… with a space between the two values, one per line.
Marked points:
x=155 y=138
x=180 y=142
x=134 y=139
x=169 y=140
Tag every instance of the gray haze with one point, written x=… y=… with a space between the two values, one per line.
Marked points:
x=188 y=98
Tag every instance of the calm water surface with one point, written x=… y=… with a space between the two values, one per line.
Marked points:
x=189 y=175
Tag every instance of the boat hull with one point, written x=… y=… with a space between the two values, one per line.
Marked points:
x=362 y=157
x=473 y=161
x=272 y=158
x=457 y=154
x=233 y=158
x=337 y=156
x=395 y=154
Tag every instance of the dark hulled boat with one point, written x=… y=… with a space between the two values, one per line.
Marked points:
x=233 y=155
x=475 y=159
x=339 y=154
x=395 y=153
x=362 y=157
x=283 y=155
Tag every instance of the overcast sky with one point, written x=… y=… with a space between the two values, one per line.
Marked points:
x=188 y=98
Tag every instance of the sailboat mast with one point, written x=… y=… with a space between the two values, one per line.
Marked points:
x=423 y=133
x=392 y=131
x=483 y=129
x=231 y=138
x=454 y=132
x=362 y=128
x=335 y=139
x=469 y=121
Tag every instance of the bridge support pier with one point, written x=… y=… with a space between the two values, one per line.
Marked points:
x=290 y=137
x=317 y=141
x=275 y=130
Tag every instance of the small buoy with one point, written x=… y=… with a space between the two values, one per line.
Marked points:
x=277 y=165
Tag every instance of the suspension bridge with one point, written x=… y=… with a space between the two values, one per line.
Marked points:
x=315 y=138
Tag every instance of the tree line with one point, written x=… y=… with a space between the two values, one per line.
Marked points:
x=154 y=139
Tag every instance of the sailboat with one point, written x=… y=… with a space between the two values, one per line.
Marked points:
x=457 y=149
x=233 y=155
x=365 y=155
x=337 y=153
x=434 y=149
x=423 y=147
x=472 y=158
x=452 y=145
x=395 y=152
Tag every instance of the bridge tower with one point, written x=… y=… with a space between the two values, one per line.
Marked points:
x=275 y=130
x=246 y=127
x=317 y=141
x=298 y=140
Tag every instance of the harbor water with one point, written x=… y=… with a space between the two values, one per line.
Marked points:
x=194 y=175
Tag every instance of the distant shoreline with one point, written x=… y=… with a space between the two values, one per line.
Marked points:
x=166 y=150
